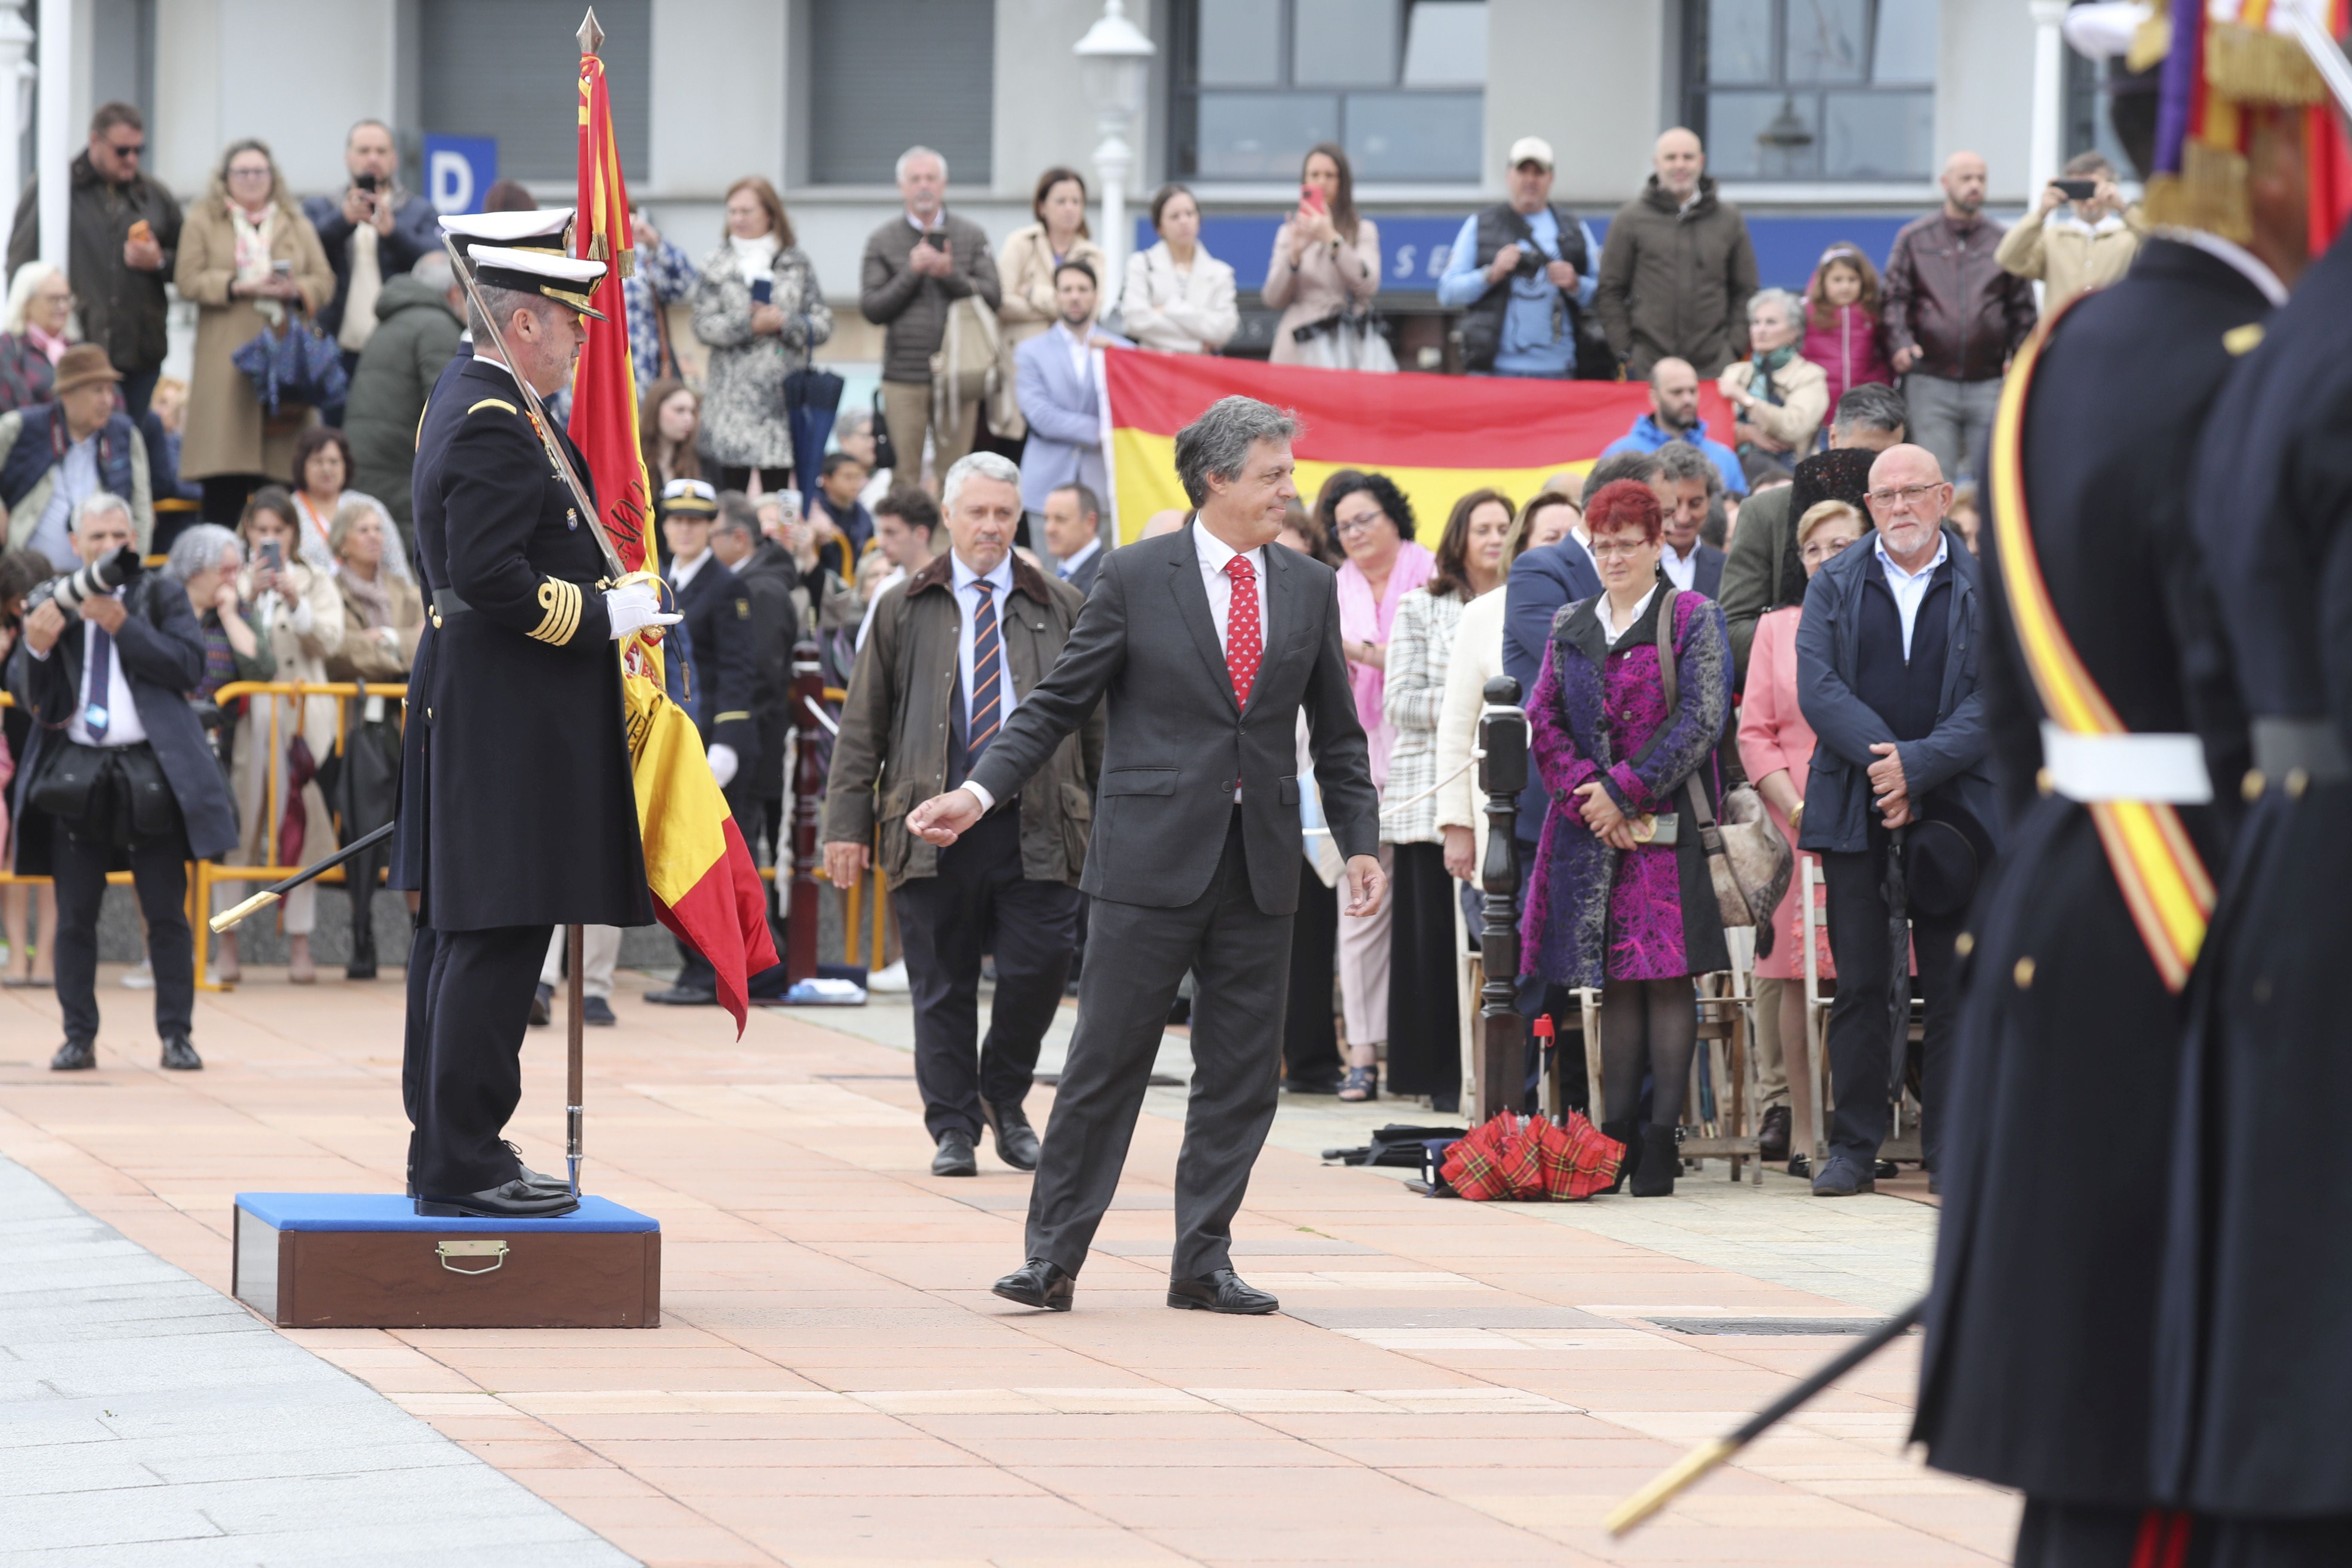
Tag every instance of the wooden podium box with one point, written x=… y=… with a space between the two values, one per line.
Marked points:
x=354 y=1261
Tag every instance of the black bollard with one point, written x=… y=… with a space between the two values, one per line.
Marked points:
x=1500 y=1059
x=808 y=787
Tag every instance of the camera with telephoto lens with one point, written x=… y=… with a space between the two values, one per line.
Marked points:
x=71 y=590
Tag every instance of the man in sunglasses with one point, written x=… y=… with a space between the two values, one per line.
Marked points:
x=124 y=229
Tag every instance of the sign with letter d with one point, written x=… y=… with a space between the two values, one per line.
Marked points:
x=459 y=170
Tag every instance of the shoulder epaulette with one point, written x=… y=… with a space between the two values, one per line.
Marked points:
x=492 y=403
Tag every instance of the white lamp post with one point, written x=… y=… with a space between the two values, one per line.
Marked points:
x=16 y=80
x=1116 y=58
x=2044 y=127
x=53 y=138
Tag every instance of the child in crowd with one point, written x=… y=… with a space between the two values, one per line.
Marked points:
x=1843 y=331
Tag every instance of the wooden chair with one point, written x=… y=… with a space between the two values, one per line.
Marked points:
x=1723 y=1001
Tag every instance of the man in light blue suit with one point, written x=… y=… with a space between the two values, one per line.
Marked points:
x=1055 y=381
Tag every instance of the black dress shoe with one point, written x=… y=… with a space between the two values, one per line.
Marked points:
x=1660 y=1162
x=684 y=996
x=1221 y=1291
x=529 y=1177
x=1313 y=1083
x=542 y=1005
x=1016 y=1141
x=179 y=1056
x=955 y=1157
x=75 y=1056
x=357 y=970
x=597 y=1010
x=1772 y=1137
x=1038 y=1283
x=517 y=1199
x=1844 y=1176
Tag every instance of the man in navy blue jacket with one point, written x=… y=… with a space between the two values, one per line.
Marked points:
x=1886 y=675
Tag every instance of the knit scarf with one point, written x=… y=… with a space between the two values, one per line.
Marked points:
x=1767 y=365
x=254 y=261
x=368 y=597
x=366 y=284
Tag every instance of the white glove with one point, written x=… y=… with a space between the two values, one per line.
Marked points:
x=634 y=605
x=723 y=764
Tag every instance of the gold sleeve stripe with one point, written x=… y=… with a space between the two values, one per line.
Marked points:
x=723 y=718
x=560 y=600
x=488 y=403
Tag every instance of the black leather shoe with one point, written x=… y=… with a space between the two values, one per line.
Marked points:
x=1842 y=1177
x=1016 y=1141
x=1221 y=1291
x=955 y=1157
x=1772 y=1137
x=1629 y=1133
x=542 y=1006
x=595 y=1010
x=179 y=1056
x=75 y=1056
x=1313 y=1083
x=529 y=1177
x=684 y=996
x=1038 y=1283
x=517 y=1199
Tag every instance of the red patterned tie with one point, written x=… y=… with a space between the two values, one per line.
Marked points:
x=1244 y=642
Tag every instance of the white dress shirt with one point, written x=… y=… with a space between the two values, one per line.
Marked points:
x=1910 y=592
x=1214 y=554
x=1078 y=558
x=76 y=479
x=122 y=725
x=967 y=597
x=682 y=571
x=1682 y=571
x=1616 y=629
x=1075 y=345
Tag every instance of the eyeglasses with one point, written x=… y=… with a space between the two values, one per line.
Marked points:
x=1619 y=549
x=236 y=172
x=1907 y=493
x=127 y=149
x=1358 y=524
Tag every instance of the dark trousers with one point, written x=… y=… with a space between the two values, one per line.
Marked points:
x=1861 y=1027
x=416 y=1036
x=1241 y=956
x=1424 y=1017
x=159 y=870
x=979 y=903
x=1311 y=1029
x=225 y=495
x=477 y=1000
x=734 y=477
x=138 y=389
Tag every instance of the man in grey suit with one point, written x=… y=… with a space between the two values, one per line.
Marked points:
x=1207 y=643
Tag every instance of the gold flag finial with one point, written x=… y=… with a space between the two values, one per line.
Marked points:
x=592 y=36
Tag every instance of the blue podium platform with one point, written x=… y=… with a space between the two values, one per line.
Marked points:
x=370 y=1260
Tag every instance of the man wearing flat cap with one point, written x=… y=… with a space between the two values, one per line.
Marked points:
x=60 y=453
x=527 y=816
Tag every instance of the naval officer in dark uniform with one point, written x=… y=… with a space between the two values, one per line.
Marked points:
x=527 y=813
x=2255 y=1363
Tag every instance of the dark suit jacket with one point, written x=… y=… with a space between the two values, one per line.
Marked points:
x=769 y=578
x=1083 y=579
x=1706 y=572
x=1543 y=583
x=1177 y=744
x=717 y=614
x=163 y=659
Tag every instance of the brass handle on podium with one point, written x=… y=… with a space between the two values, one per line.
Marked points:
x=494 y=1250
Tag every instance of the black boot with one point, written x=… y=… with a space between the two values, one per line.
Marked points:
x=1629 y=1133
x=1662 y=1161
x=362 y=963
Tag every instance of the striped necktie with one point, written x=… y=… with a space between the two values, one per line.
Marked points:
x=987 y=676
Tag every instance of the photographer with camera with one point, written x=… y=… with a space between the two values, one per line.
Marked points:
x=119 y=769
x=372 y=232
x=2082 y=234
x=1521 y=273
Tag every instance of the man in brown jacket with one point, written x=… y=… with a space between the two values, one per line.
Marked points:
x=1676 y=268
x=952 y=651
x=917 y=267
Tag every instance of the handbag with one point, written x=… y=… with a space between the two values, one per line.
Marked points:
x=964 y=367
x=294 y=365
x=1747 y=858
x=886 y=456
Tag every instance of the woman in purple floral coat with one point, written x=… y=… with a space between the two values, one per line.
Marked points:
x=1607 y=905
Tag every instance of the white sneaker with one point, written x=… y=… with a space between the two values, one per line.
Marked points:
x=892 y=980
x=141 y=978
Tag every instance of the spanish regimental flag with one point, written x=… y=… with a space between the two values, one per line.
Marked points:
x=704 y=887
x=1438 y=436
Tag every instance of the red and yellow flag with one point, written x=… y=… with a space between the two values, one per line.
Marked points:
x=704 y=887
x=1438 y=436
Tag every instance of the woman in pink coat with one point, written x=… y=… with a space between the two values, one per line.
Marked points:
x=1843 y=331
x=1775 y=745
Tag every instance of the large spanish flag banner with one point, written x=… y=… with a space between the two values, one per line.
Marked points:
x=704 y=887
x=1438 y=436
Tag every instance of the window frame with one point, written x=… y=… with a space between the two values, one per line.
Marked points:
x=1698 y=89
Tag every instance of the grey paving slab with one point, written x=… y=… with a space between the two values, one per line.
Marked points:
x=146 y=1420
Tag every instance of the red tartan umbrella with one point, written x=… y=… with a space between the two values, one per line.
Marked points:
x=1530 y=1157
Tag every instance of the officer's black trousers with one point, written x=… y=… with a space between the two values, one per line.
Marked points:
x=979 y=903
x=478 y=995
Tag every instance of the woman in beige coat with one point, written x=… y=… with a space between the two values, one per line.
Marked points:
x=1778 y=398
x=232 y=249
x=1179 y=298
x=304 y=616
x=1025 y=266
x=1326 y=260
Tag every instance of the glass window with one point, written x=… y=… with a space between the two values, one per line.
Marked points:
x=1399 y=83
x=1417 y=136
x=1344 y=43
x=867 y=103
x=1445 y=44
x=512 y=72
x=1811 y=89
x=1263 y=135
x=1241 y=44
